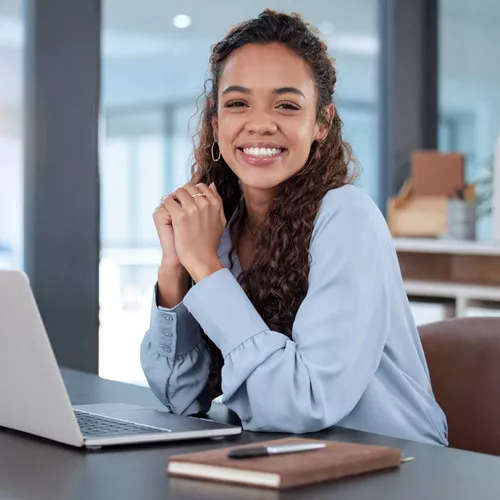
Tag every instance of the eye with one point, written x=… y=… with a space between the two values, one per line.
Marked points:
x=236 y=104
x=288 y=106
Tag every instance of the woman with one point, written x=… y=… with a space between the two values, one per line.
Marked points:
x=295 y=311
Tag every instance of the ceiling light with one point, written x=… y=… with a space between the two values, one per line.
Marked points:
x=181 y=21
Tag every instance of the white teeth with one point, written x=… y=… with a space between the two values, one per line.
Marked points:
x=262 y=151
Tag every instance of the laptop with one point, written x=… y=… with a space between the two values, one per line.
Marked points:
x=34 y=400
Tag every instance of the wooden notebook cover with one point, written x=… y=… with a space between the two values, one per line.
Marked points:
x=335 y=461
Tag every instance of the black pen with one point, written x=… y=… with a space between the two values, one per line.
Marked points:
x=263 y=451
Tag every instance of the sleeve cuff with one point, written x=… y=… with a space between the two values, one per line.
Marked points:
x=174 y=331
x=224 y=311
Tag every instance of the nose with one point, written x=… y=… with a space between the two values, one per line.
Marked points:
x=261 y=123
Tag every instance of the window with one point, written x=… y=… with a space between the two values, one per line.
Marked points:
x=152 y=75
x=469 y=87
x=11 y=137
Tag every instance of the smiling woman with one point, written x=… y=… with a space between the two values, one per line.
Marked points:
x=279 y=286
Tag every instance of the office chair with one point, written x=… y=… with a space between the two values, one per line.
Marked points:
x=463 y=355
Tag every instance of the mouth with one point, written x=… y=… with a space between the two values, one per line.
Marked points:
x=261 y=154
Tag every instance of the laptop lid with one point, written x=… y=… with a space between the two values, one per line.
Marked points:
x=32 y=393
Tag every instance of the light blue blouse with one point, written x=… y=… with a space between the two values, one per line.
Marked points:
x=355 y=357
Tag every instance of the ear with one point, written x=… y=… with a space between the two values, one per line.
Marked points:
x=322 y=128
x=215 y=127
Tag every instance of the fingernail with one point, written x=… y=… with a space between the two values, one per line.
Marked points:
x=199 y=184
x=212 y=185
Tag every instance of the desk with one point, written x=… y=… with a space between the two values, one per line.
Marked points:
x=34 y=469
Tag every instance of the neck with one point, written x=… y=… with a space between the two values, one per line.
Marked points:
x=257 y=202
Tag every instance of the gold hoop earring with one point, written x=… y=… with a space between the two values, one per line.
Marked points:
x=213 y=156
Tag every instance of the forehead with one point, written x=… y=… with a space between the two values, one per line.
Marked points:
x=266 y=67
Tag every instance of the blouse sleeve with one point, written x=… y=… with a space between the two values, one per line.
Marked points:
x=176 y=361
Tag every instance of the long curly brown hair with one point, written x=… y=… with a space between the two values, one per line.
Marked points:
x=276 y=281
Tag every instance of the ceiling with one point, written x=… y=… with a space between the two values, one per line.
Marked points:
x=347 y=16
x=146 y=57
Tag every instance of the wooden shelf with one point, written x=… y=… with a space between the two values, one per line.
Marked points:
x=465 y=272
x=462 y=294
x=452 y=290
x=444 y=246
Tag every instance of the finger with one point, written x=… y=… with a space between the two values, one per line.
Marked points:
x=209 y=195
x=214 y=199
x=184 y=198
x=173 y=208
x=190 y=188
x=166 y=213
x=213 y=188
x=162 y=204
x=218 y=197
x=161 y=208
x=193 y=191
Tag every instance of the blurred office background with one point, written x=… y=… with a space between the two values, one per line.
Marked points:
x=153 y=62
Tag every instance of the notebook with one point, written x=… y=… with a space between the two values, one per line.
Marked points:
x=335 y=461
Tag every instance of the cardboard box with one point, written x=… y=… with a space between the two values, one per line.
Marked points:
x=420 y=216
x=437 y=174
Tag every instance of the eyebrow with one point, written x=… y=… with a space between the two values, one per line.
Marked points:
x=279 y=91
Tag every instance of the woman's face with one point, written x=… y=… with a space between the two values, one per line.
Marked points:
x=266 y=117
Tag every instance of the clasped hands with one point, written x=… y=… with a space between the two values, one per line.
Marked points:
x=196 y=218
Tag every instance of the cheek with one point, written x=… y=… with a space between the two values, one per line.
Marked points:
x=301 y=135
x=299 y=128
x=227 y=129
x=227 y=133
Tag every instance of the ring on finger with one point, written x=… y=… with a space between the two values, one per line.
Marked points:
x=198 y=195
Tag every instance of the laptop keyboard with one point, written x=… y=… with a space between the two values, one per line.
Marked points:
x=99 y=426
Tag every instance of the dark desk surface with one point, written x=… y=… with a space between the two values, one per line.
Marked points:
x=35 y=469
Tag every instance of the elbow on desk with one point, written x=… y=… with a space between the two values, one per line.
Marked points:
x=295 y=422
x=293 y=412
x=287 y=427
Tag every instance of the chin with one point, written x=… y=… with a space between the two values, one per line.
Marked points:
x=260 y=181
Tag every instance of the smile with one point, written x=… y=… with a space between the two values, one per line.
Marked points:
x=261 y=152
x=261 y=155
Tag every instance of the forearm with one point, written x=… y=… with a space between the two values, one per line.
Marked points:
x=173 y=284
x=316 y=377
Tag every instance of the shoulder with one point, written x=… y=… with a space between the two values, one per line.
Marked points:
x=348 y=200
x=349 y=213
x=348 y=204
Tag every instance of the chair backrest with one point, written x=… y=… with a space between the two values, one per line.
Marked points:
x=464 y=363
